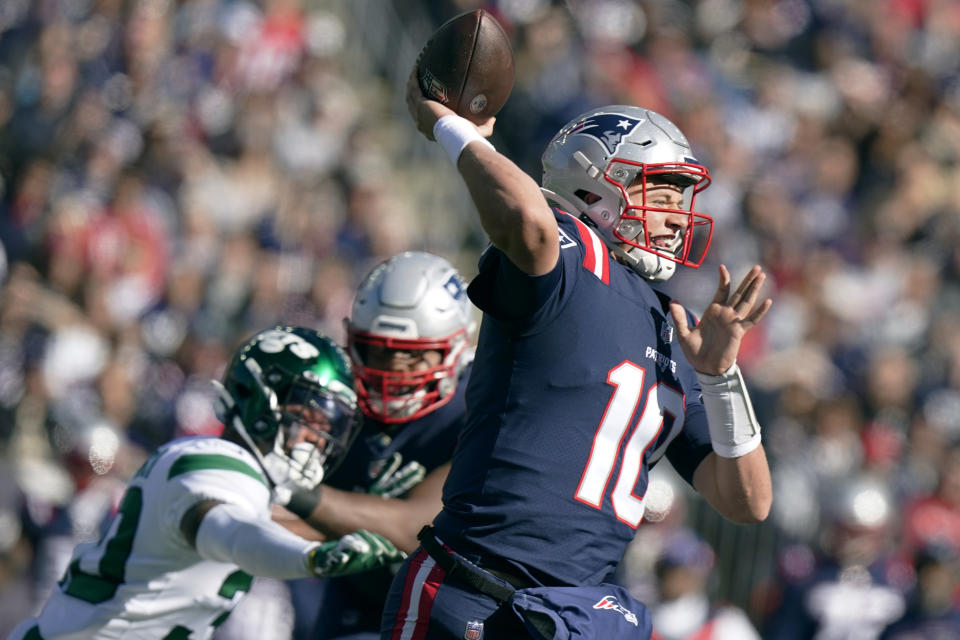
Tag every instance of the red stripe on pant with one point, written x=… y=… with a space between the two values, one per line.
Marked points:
x=423 y=580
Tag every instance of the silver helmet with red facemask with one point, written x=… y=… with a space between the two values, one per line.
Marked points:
x=408 y=306
x=592 y=162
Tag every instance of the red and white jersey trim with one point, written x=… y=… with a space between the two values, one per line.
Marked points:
x=596 y=258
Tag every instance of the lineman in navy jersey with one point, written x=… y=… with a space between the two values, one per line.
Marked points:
x=409 y=340
x=584 y=377
x=352 y=605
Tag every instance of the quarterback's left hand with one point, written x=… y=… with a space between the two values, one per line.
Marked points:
x=712 y=346
x=353 y=553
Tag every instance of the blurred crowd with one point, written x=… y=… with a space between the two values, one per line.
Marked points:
x=178 y=174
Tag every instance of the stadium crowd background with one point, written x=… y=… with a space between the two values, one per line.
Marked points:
x=178 y=174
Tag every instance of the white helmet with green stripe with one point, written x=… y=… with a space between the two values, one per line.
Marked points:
x=288 y=393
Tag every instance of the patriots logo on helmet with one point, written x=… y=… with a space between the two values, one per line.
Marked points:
x=608 y=128
x=454 y=286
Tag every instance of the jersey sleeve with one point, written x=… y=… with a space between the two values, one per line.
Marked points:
x=692 y=444
x=517 y=299
x=506 y=293
x=195 y=478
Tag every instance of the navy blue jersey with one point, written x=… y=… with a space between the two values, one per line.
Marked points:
x=429 y=440
x=579 y=387
x=353 y=603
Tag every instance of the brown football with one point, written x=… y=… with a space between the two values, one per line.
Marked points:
x=467 y=64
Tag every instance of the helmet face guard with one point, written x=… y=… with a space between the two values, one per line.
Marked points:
x=395 y=397
x=315 y=426
x=414 y=302
x=288 y=392
x=691 y=246
x=597 y=157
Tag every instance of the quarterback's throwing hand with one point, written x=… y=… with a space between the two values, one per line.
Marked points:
x=712 y=345
x=353 y=553
x=426 y=112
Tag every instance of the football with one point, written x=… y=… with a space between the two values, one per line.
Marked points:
x=467 y=65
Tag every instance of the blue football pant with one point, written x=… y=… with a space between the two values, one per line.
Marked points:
x=424 y=605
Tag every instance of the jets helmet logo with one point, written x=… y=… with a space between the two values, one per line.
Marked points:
x=608 y=128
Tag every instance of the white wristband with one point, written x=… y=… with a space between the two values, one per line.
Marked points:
x=734 y=430
x=454 y=134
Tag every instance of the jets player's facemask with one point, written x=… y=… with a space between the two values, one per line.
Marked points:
x=288 y=393
x=315 y=426
x=400 y=380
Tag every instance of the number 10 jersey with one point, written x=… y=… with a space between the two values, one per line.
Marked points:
x=579 y=386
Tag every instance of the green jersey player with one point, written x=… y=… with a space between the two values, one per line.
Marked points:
x=194 y=524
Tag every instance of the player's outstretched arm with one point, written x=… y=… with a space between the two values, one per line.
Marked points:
x=223 y=532
x=511 y=207
x=735 y=478
x=398 y=519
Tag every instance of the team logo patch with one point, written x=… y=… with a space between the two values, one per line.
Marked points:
x=608 y=128
x=474 y=630
x=454 y=286
x=565 y=241
x=666 y=332
x=610 y=603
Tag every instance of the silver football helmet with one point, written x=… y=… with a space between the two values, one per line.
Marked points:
x=413 y=303
x=596 y=157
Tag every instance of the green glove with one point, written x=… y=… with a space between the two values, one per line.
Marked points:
x=393 y=481
x=353 y=553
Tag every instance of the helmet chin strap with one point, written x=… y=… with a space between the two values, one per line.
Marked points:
x=648 y=265
x=275 y=465
x=301 y=469
x=237 y=425
x=224 y=409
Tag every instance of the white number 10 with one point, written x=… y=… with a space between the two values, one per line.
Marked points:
x=662 y=405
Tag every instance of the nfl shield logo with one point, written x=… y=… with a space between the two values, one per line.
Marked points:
x=474 y=631
x=666 y=332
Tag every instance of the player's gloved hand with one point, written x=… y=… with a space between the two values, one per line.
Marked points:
x=394 y=480
x=353 y=553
